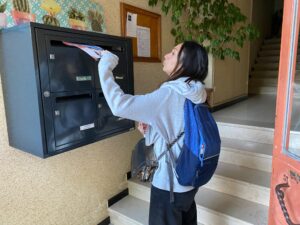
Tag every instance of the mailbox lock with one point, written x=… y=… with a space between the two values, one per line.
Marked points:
x=57 y=113
x=52 y=56
x=46 y=94
x=99 y=106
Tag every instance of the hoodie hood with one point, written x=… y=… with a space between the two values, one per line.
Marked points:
x=194 y=91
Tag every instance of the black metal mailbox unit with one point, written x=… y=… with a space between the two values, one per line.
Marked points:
x=53 y=98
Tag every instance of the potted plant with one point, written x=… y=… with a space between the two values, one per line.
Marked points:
x=21 y=12
x=52 y=8
x=76 y=19
x=3 y=21
x=221 y=26
x=96 y=20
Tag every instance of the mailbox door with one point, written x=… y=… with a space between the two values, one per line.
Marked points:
x=70 y=69
x=107 y=123
x=74 y=118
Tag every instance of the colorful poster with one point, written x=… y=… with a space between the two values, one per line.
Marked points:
x=76 y=14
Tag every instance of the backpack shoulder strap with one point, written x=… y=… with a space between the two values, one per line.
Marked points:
x=170 y=163
x=169 y=146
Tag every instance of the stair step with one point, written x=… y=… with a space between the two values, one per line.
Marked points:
x=272 y=46
x=238 y=130
x=266 y=66
x=246 y=153
x=270 y=90
x=218 y=209
x=268 y=74
x=272 y=59
x=263 y=90
x=213 y=208
x=269 y=52
x=249 y=184
x=242 y=132
x=270 y=66
x=129 y=210
x=270 y=82
x=272 y=41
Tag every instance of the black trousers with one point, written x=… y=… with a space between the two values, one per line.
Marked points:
x=181 y=212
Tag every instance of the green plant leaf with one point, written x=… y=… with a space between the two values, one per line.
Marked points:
x=217 y=23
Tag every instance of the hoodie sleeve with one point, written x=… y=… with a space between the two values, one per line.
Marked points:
x=143 y=108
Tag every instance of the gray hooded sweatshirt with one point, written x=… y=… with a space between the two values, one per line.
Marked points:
x=162 y=110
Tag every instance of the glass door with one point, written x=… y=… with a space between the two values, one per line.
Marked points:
x=285 y=187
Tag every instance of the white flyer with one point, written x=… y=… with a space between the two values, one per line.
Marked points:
x=93 y=50
x=131 y=24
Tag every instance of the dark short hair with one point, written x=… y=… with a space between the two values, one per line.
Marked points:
x=192 y=62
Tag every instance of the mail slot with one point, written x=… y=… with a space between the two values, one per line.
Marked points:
x=52 y=94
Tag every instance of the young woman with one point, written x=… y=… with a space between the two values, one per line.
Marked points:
x=161 y=116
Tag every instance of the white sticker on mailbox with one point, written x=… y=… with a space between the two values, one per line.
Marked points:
x=83 y=78
x=87 y=126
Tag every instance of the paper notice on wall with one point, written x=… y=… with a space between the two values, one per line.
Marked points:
x=143 y=41
x=131 y=24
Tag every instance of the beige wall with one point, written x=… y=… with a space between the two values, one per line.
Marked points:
x=230 y=77
x=262 y=18
x=73 y=188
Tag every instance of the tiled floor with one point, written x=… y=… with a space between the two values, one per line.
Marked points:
x=257 y=110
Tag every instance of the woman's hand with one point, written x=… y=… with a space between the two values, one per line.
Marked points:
x=108 y=59
x=142 y=127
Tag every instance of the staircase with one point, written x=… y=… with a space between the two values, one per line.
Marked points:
x=238 y=193
x=264 y=75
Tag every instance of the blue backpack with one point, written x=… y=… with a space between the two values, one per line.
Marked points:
x=199 y=155
x=201 y=149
